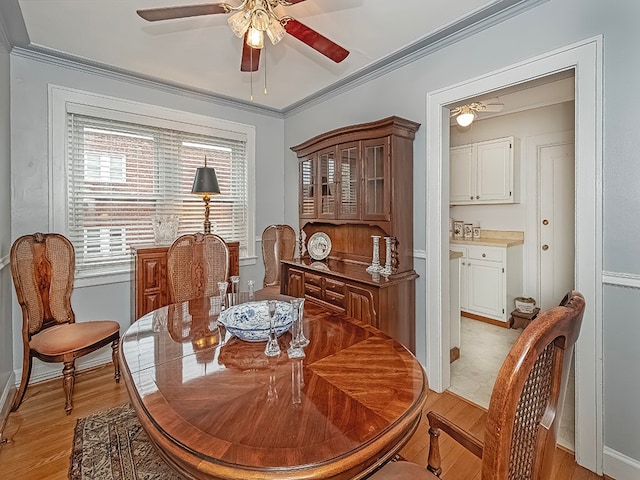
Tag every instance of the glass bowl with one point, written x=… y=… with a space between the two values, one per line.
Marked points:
x=250 y=321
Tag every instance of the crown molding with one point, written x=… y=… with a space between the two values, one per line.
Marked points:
x=479 y=20
x=460 y=29
x=60 y=59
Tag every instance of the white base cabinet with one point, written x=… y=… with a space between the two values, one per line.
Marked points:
x=490 y=279
x=484 y=172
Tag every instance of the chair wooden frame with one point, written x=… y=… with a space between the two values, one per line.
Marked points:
x=42 y=267
x=525 y=409
x=195 y=265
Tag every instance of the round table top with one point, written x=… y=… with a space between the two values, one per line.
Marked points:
x=218 y=407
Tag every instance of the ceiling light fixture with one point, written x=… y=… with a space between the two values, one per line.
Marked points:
x=258 y=17
x=466 y=116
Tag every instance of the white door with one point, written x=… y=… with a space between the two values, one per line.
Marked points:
x=556 y=219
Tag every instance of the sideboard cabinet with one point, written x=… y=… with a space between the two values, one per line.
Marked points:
x=356 y=182
x=151 y=289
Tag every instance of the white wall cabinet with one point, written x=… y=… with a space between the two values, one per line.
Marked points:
x=490 y=279
x=483 y=172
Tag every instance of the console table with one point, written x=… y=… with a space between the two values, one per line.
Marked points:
x=150 y=287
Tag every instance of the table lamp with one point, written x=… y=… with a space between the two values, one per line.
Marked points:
x=206 y=184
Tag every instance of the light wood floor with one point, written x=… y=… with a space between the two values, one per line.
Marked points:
x=40 y=434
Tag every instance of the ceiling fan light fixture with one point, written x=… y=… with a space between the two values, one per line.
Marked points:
x=255 y=38
x=239 y=22
x=260 y=19
x=465 y=117
x=275 y=31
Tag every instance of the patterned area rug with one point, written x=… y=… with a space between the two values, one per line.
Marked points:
x=112 y=445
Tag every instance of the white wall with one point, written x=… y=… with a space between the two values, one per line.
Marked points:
x=551 y=25
x=30 y=173
x=6 y=358
x=522 y=125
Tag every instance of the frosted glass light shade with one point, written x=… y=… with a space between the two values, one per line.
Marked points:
x=239 y=22
x=275 y=31
x=465 y=119
x=255 y=38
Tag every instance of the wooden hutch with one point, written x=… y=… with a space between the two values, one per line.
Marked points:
x=356 y=182
x=151 y=288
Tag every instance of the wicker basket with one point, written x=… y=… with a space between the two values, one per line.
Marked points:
x=525 y=304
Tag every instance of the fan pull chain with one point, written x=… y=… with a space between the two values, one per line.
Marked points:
x=251 y=77
x=265 y=68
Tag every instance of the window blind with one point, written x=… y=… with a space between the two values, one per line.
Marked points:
x=121 y=175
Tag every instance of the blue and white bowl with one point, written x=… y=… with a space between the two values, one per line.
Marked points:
x=250 y=321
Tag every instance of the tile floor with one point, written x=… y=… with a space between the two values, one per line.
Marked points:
x=483 y=349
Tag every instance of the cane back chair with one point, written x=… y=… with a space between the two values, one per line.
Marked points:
x=278 y=243
x=42 y=267
x=525 y=408
x=195 y=265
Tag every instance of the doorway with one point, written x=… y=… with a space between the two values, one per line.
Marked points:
x=585 y=58
x=546 y=192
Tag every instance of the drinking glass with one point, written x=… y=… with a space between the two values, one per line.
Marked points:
x=222 y=288
x=251 y=290
x=299 y=338
x=235 y=281
x=272 y=349
x=295 y=350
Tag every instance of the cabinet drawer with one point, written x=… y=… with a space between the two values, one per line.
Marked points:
x=334 y=298
x=313 y=291
x=311 y=279
x=334 y=286
x=486 y=253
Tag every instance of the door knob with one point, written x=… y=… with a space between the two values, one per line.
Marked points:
x=545 y=247
x=545 y=222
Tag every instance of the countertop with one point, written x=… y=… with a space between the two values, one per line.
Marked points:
x=492 y=238
x=454 y=255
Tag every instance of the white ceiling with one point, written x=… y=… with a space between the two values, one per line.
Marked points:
x=202 y=54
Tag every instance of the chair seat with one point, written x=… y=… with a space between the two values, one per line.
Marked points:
x=402 y=471
x=70 y=337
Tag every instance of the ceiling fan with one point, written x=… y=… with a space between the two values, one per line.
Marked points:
x=251 y=20
x=465 y=114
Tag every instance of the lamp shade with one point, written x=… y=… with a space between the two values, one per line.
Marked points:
x=206 y=182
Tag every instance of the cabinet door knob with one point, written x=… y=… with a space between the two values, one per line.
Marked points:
x=545 y=222
x=545 y=247
x=477 y=197
x=484 y=255
x=471 y=197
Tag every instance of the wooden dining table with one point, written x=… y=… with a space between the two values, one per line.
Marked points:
x=216 y=407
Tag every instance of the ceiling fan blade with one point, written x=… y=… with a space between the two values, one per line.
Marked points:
x=250 y=57
x=493 y=107
x=167 y=13
x=316 y=41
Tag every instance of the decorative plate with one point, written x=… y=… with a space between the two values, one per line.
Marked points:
x=319 y=246
x=250 y=321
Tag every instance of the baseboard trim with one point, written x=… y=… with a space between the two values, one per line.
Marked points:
x=473 y=316
x=6 y=400
x=619 y=466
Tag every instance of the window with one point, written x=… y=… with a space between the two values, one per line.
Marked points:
x=123 y=169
